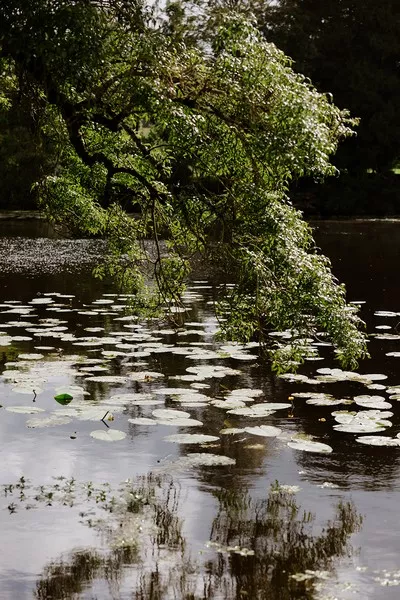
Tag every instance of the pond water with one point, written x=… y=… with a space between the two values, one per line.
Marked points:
x=104 y=494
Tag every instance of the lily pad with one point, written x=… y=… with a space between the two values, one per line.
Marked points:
x=38 y=423
x=27 y=410
x=231 y=431
x=362 y=427
x=378 y=402
x=138 y=399
x=310 y=446
x=169 y=414
x=259 y=410
x=142 y=421
x=27 y=389
x=109 y=435
x=181 y=422
x=190 y=438
x=324 y=401
x=229 y=404
x=203 y=459
x=30 y=356
x=264 y=430
x=108 y=379
x=63 y=399
x=378 y=440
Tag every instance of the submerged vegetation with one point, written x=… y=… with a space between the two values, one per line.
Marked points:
x=265 y=548
x=201 y=142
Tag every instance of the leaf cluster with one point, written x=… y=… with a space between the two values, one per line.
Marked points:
x=201 y=142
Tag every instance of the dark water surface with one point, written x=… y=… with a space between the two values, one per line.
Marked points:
x=84 y=518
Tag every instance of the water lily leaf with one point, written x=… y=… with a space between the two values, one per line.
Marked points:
x=143 y=399
x=228 y=404
x=190 y=438
x=372 y=401
x=247 y=392
x=207 y=371
x=346 y=417
x=173 y=391
x=204 y=460
x=165 y=413
x=27 y=389
x=41 y=301
x=264 y=430
x=28 y=410
x=259 y=410
x=181 y=422
x=362 y=427
x=325 y=401
x=145 y=376
x=231 y=430
x=108 y=379
x=109 y=435
x=310 y=446
x=48 y=421
x=378 y=440
x=63 y=399
x=95 y=413
x=143 y=421
x=30 y=356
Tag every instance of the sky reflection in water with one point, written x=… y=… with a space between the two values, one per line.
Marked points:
x=201 y=526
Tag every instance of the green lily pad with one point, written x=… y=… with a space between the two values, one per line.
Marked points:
x=63 y=399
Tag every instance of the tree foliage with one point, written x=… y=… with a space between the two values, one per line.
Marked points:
x=350 y=48
x=203 y=141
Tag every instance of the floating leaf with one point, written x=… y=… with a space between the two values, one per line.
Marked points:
x=190 y=438
x=372 y=402
x=325 y=401
x=48 y=421
x=204 y=460
x=259 y=410
x=27 y=389
x=264 y=430
x=145 y=376
x=378 y=440
x=173 y=391
x=109 y=435
x=143 y=399
x=231 y=430
x=142 y=421
x=228 y=404
x=181 y=422
x=168 y=414
x=362 y=427
x=63 y=399
x=310 y=446
x=108 y=379
x=28 y=410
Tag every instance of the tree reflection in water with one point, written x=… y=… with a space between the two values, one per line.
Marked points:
x=256 y=547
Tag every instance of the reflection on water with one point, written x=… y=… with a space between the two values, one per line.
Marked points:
x=174 y=529
x=258 y=549
x=289 y=559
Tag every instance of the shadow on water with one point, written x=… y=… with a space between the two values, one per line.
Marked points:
x=265 y=548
